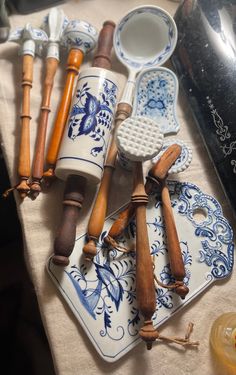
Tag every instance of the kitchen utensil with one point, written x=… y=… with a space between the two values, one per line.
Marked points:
x=29 y=39
x=102 y=294
x=54 y=25
x=85 y=140
x=138 y=138
x=80 y=37
x=137 y=47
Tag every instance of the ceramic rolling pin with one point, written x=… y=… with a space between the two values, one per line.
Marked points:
x=85 y=141
x=29 y=39
x=80 y=37
x=159 y=170
x=54 y=25
x=139 y=138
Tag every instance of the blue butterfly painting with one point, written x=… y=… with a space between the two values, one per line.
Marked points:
x=93 y=116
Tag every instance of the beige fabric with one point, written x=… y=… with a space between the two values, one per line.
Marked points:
x=71 y=349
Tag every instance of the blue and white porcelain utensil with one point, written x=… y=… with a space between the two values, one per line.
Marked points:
x=54 y=24
x=102 y=294
x=29 y=39
x=155 y=96
x=183 y=161
x=145 y=37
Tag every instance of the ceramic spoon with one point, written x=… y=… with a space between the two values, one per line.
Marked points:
x=145 y=37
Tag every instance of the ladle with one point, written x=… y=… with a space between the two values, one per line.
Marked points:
x=143 y=38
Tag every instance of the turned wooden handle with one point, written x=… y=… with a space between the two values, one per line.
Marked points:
x=174 y=250
x=145 y=288
x=27 y=79
x=65 y=238
x=98 y=214
x=38 y=164
x=73 y=64
x=102 y=58
x=122 y=221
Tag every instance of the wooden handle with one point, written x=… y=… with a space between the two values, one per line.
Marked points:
x=102 y=58
x=37 y=170
x=122 y=221
x=65 y=239
x=73 y=64
x=174 y=250
x=145 y=288
x=161 y=169
x=24 y=155
x=98 y=214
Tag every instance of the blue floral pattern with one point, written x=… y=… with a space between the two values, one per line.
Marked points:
x=106 y=303
x=93 y=117
x=155 y=97
x=161 y=56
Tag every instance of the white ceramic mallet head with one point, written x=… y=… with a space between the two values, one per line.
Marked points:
x=54 y=24
x=139 y=138
x=80 y=34
x=29 y=38
x=183 y=161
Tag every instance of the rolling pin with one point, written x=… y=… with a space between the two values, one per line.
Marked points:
x=84 y=145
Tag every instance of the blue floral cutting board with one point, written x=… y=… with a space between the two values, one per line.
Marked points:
x=102 y=294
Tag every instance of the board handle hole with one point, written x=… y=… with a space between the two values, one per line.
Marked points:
x=199 y=215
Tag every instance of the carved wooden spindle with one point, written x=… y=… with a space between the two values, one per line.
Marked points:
x=74 y=33
x=98 y=214
x=64 y=244
x=173 y=245
x=54 y=26
x=145 y=288
x=29 y=38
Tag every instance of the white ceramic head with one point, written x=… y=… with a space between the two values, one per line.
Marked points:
x=29 y=39
x=139 y=138
x=80 y=34
x=145 y=37
x=183 y=161
x=155 y=96
x=54 y=24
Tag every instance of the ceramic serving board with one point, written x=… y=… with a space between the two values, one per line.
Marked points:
x=102 y=294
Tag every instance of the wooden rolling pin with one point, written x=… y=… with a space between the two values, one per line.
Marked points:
x=76 y=184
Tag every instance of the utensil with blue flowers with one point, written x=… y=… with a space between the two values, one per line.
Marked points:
x=54 y=24
x=31 y=41
x=79 y=37
x=143 y=38
x=83 y=148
